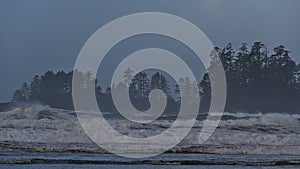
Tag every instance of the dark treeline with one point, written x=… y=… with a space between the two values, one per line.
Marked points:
x=55 y=89
x=258 y=80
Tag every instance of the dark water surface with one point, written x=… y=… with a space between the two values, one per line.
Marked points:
x=27 y=160
x=93 y=166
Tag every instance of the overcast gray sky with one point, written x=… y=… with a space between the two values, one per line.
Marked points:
x=40 y=35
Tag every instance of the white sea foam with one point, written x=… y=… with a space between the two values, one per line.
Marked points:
x=246 y=133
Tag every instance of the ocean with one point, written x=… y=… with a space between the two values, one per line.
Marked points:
x=43 y=137
x=89 y=161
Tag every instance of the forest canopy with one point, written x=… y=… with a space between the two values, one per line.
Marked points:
x=259 y=79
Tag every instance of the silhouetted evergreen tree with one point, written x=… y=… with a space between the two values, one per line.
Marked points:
x=35 y=87
x=159 y=81
x=142 y=85
x=128 y=75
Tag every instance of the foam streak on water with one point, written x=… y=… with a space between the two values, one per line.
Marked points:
x=42 y=129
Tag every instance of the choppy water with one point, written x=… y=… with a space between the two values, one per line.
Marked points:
x=48 y=138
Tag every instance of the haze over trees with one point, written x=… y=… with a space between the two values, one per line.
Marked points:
x=258 y=80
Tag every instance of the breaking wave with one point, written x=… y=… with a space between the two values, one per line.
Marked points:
x=44 y=129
